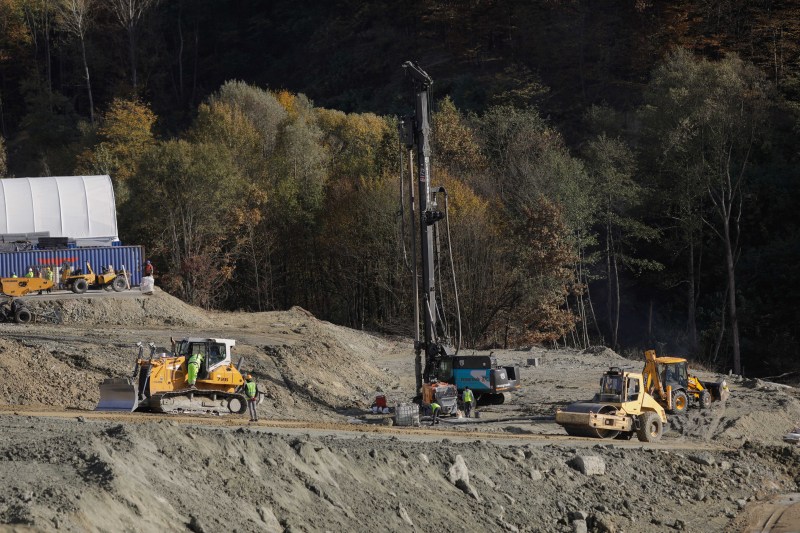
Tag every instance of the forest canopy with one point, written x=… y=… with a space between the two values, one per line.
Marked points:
x=618 y=173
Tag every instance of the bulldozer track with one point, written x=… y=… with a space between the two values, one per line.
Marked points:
x=159 y=403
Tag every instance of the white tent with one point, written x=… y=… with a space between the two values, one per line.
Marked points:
x=81 y=208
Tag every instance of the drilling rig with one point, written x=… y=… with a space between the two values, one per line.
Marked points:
x=444 y=372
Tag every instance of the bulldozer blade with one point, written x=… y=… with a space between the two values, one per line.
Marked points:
x=117 y=395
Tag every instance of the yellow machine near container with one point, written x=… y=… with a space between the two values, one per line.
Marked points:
x=79 y=282
x=159 y=382
x=621 y=409
x=22 y=286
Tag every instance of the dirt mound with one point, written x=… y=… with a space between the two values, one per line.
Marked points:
x=36 y=375
x=333 y=365
x=84 y=474
x=309 y=369
x=601 y=351
x=158 y=309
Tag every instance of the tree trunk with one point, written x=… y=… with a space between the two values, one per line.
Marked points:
x=88 y=82
x=617 y=305
x=132 y=54
x=48 y=66
x=609 y=278
x=691 y=310
x=180 y=54
x=737 y=361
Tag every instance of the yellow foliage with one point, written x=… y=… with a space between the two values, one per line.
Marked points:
x=455 y=143
x=14 y=33
x=221 y=123
x=464 y=203
x=354 y=142
x=288 y=101
x=126 y=133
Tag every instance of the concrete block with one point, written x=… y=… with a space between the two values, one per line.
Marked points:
x=590 y=465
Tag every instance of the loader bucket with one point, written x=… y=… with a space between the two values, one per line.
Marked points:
x=117 y=395
x=719 y=390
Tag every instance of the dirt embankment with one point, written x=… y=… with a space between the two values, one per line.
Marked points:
x=79 y=474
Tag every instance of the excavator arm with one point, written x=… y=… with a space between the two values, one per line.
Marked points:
x=652 y=381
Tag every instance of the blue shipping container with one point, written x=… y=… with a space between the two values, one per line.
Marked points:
x=129 y=257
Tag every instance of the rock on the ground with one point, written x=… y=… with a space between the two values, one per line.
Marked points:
x=590 y=465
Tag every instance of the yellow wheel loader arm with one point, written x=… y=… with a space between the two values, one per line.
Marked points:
x=23 y=286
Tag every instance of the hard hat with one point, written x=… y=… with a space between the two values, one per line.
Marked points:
x=148 y=261
x=249 y=377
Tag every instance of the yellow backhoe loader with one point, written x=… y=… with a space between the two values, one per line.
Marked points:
x=621 y=409
x=668 y=380
x=162 y=384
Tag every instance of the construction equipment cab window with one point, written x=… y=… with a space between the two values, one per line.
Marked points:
x=633 y=390
x=213 y=353
x=676 y=374
x=611 y=388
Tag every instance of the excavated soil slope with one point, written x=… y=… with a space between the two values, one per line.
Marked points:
x=152 y=473
x=75 y=475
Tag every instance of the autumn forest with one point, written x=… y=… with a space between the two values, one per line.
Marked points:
x=618 y=172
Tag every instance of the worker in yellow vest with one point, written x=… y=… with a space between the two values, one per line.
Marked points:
x=192 y=368
x=469 y=401
x=435 y=410
x=251 y=391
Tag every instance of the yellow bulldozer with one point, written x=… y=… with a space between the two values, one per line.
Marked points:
x=668 y=380
x=621 y=409
x=159 y=382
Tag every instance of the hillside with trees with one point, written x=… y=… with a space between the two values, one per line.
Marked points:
x=619 y=173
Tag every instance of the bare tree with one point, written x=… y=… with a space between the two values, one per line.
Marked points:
x=129 y=14
x=74 y=16
x=37 y=16
x=709 y=117
x=3 y=167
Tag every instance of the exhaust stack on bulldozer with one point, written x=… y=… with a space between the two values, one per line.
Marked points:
x=159 y=382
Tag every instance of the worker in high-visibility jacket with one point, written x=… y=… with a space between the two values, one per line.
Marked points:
x=29 y=273
x=435 y=409
x=251 y=391
x=193 y=367
x=469 y=401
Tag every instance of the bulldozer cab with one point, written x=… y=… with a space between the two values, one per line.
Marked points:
x=215 y=352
